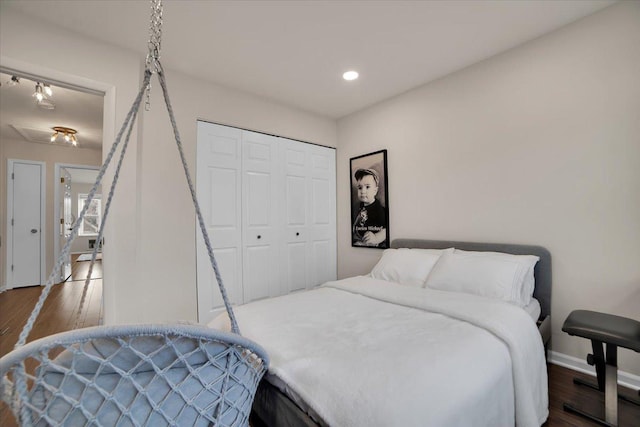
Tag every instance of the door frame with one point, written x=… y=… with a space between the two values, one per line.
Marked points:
x=56 y=204
x=43 y=230
x=70 y=80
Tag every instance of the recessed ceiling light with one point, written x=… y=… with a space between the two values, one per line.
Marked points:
x=350 y=75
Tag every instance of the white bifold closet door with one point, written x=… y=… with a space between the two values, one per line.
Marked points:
x=218 y=183
x=269 y=205
x=260 y=215
x=308 y=248
x=322 y=240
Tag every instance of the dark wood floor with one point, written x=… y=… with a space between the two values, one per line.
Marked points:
x=562 y=389
x=60 y=312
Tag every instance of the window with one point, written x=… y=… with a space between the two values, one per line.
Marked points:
x=93 y=217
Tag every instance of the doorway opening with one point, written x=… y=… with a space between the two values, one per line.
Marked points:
x=33 y=110
x=72 y=183
x=27 y=133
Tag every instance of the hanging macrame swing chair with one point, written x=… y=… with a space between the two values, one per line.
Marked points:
x=156 y=375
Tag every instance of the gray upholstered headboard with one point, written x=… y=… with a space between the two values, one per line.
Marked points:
x=542 y=271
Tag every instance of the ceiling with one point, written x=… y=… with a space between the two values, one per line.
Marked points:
x=295 y=52
x=82 y=175
x=21 y=118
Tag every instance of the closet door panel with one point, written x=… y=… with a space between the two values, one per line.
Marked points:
x=295 y=221
x=296 y=203
x=222 y=205
x=258 y=209
x=322 y=227
x=320 y=192
x=296 y=265
x=295 y=234
x=227 y=259
x=258 y=267
x=260 y=212
x=322 y=254
x=218 y=168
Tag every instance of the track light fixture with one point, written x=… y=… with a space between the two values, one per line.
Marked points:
x=68 y=134
x=43 y=92
x=13 y=81
x=39 y=93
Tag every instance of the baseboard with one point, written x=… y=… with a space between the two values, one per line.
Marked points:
x=624 y=378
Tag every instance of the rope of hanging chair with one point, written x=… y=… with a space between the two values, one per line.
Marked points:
x=21 y=385
x=128 y=126
x=203 y=229
x=105 y=215
x=152 y=66
x=212 y=375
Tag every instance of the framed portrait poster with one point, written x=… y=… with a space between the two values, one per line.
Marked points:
x=370 y=200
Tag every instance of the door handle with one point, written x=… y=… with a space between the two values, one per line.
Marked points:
x=34 y=231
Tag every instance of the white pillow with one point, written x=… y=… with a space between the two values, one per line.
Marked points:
x=489 y=274
x=407 y=266
x=529 y=285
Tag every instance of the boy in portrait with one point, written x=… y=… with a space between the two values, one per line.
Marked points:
x=369 y=224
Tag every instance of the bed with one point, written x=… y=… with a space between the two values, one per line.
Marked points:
x=399 y=347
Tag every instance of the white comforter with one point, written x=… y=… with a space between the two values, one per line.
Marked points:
x=365 y=352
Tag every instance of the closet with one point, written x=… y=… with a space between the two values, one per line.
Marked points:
x=269 y=205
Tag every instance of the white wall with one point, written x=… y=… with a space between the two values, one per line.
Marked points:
x=539 y=145
x=50 y=154
x=169 y=256
x=31 y=45
x=149 y=252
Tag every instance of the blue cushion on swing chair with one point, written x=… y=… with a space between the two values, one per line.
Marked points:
x=154 y=378
x=140 y=355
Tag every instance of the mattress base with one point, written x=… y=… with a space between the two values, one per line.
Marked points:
x=271 y=407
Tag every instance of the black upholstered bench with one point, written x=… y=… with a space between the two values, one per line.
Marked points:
x=614 y=331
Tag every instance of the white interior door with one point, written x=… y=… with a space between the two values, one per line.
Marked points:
x=25 y=250
x=218 y=183
x=322 y=227
x=295 y=218
x=260 y=185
